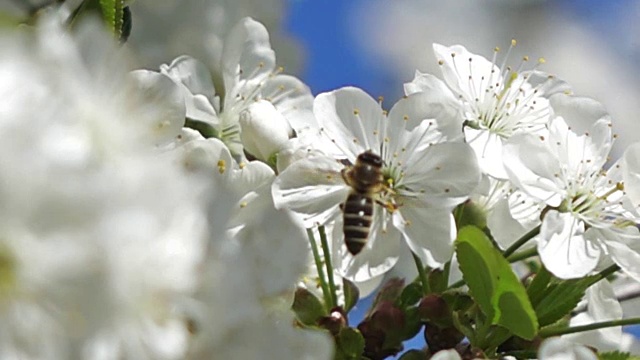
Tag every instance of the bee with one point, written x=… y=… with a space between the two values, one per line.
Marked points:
x=366 y=180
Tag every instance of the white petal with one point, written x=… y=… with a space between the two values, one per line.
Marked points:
x=488 y=149
x=264 y=130
x=378 y=256
x=247 y=56
x=293 y=99
x=627 y=258
x=560 y=349
x=312 y=186
x=442 y=104
x=580 y=113
x=458 y=69
x=275 y=243
x=446 y=355
x=165 y=101
x=429 y=232
x=583 y=153
x=197 y=87
x=191 y=73
x=444 y=173
x=504 y=228
x=602 y=305
x=533 y=167
x=631 y=173
x=352 y=119
x=564 y=246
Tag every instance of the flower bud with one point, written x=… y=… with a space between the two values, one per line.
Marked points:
x=336 y=320
x=264 y=130
x=440 y=339
x=388 y=317
x=433 y=308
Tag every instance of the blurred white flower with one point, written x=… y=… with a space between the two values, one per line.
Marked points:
x=165 y=29
x=109 y=248
x=85 y=234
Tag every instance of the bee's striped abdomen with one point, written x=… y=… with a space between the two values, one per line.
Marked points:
x=358 y=213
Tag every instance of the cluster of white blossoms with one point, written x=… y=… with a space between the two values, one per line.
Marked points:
x=124 y=236
x=166 y=214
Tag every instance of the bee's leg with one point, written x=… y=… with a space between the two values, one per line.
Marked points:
x=345 y=175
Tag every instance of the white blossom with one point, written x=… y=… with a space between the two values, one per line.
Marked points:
x=491 y=101
x=425 y=178
x=254 y=102
x=586 y=221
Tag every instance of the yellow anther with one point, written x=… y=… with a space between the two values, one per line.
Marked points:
x=541 y=60
x=525 y=58
x=243 y=204
x=222 y=166
x=514 y=42
x=242 y=165
x=356 y=111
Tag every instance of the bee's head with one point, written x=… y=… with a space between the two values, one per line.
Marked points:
x=370 y=158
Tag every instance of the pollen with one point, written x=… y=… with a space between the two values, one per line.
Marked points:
x=356 y=112
x=242 y=165
x=405 y=118
x=440 y=62
x=243 y=204
x=222 y=166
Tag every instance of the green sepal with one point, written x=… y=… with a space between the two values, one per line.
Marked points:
x=351 y=294
x=307 y=307
x=560 y=298
x=350 y=344
x=410 y=295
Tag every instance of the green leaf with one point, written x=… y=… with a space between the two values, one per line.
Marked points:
x=560 y=298
x=536 y=288
x=350 y=343
x=307 y=307
x=493 y=285
x=616 y=355
x=351 y=294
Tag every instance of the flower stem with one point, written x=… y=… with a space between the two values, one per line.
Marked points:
x=522 y=255
x=316 y=257
x=608 y=271
x=553 y=331
x=327 y=263
x=422 y=274
x=523 y=240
